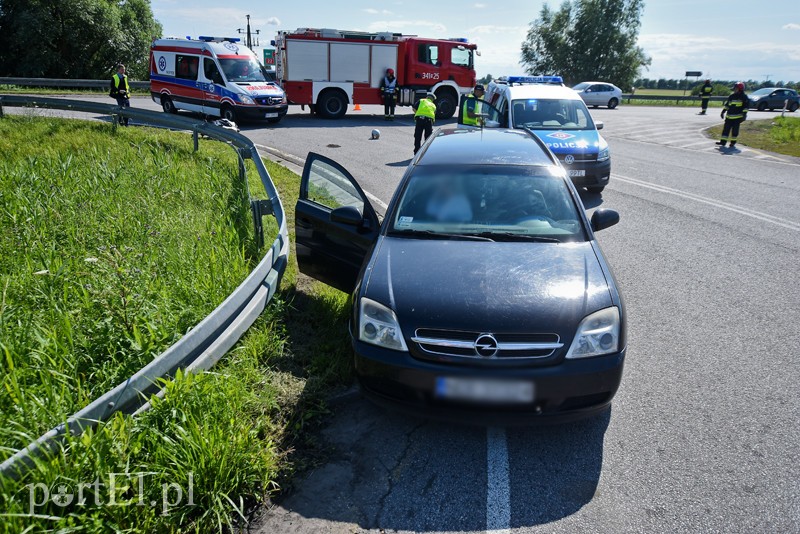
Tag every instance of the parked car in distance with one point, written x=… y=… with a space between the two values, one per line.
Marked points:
x=599 y=94
x=483 y=295
x=773 y=98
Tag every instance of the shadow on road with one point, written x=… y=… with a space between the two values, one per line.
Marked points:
x=403 y=163
x=392 y=472
x=590 y=200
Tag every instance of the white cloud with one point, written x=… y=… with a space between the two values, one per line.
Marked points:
x=372 y=11
x=489 y=28
x=423 y=26
x=791 y=26
x=273 y=21
x=480 y=6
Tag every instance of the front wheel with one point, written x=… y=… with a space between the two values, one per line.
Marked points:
x=596 y=189
x=227 y=112
x=613 y=103
x=167 y=105
x=332 y=105
x=445 y=105
x=762 y=106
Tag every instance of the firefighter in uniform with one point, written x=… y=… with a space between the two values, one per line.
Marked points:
x=120 y=90
x=423 y=119
x=388 y=90
x=736 y=108
x=705 y=94
x=472 y=106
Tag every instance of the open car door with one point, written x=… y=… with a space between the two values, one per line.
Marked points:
x=335 y=225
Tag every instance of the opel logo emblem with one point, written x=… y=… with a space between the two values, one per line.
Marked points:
x=569 y=160
x=486 y=346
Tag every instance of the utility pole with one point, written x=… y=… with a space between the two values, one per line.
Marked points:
x=766 y=77
x=249 y=42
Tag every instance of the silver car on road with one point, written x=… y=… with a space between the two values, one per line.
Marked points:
x=599 y=94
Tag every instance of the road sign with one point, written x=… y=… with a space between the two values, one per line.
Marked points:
x=693 y=73
x=269 y=56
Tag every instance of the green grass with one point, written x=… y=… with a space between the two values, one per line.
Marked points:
x=112 y=245
x=780 y=135
x=662 y=92
x=26 y=90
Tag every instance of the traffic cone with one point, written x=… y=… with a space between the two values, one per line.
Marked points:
x=357 y=108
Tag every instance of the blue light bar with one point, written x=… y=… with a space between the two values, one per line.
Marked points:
x=558 y=80
x=208 y=39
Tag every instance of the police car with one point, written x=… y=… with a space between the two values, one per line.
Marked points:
x=559 y=117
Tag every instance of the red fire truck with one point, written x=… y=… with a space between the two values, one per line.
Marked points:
x=328 y=69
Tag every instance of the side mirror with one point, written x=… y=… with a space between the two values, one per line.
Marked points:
x=347 y=215
x=599 y=124
x=603 y=218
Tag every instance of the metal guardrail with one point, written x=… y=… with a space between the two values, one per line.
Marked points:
x=662 y=98
x=54 y=82
x=207 y=342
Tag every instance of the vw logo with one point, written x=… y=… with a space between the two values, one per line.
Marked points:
x=162 y=63
x=569 y=160
x=486 y=346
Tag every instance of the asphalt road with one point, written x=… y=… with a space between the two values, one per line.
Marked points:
x=704 y=434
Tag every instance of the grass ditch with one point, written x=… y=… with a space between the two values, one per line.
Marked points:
x=111 y=246
x=780 y=135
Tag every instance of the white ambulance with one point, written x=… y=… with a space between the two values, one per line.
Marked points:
x=214 y=76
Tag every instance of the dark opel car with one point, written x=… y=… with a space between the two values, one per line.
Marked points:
x=483 y=294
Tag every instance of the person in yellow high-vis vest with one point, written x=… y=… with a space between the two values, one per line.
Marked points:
x=120 y=90
x=705 y=95
x=423 y=119
x=736 y=107
x=472 y=106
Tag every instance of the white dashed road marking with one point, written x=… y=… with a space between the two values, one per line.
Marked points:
x=498 y=494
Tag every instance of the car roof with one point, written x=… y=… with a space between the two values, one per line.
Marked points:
x=541 y=91
x=488 y=146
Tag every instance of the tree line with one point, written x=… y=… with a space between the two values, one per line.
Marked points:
x=721 y=87
x=76 y=38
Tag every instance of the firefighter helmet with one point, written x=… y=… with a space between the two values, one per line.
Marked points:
x=390 y=72
x=739 y=86
x=376 y=134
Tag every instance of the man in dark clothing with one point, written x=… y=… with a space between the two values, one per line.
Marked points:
x=388 y=89
x=120 y=90
x=705 y=94
x=736 y=108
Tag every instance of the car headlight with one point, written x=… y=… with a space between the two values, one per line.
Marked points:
x=597 y=334
x=378 y=325
x=754 y=98
x=603 y=155
x=244 y=99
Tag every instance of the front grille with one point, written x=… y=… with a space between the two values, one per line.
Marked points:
x=486 y=346
x=269 y=100
x=579 y=158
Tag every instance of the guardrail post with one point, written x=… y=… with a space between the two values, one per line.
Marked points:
x=1 y=107
x=114 y=121
x=195 y=138
x=260 y=208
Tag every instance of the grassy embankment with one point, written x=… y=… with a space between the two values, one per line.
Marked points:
x=780 y=135
x=112 y=245
x=670 y=96
x=44 y=91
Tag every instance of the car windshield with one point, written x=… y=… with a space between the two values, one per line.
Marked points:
x=551 y=114
x=243 y=70
x=762 y=92
x=497 y=202
x=582 y=86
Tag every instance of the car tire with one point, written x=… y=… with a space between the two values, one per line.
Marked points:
x=613 y=103
x=793 y=106
x=167 y=105
x=594 y=106
x=762 y=106
x=331 y=104
x=595 y=189
x=446 y=104
x=227 y=112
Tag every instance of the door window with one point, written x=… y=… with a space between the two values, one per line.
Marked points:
x=186 y=67
x=461 y=57
x=429 y=54
x=328 y=187
x=211 y=71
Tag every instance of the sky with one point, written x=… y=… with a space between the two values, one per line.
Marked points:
x=725 y=39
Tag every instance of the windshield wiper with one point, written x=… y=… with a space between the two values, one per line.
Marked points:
x=429 y=234
x=511 y=236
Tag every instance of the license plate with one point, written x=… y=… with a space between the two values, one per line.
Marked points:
x=484 y=390
x=577 y=173
x=271 y=116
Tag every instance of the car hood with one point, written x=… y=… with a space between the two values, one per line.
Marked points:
x=487 y=286
x=575 y=142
